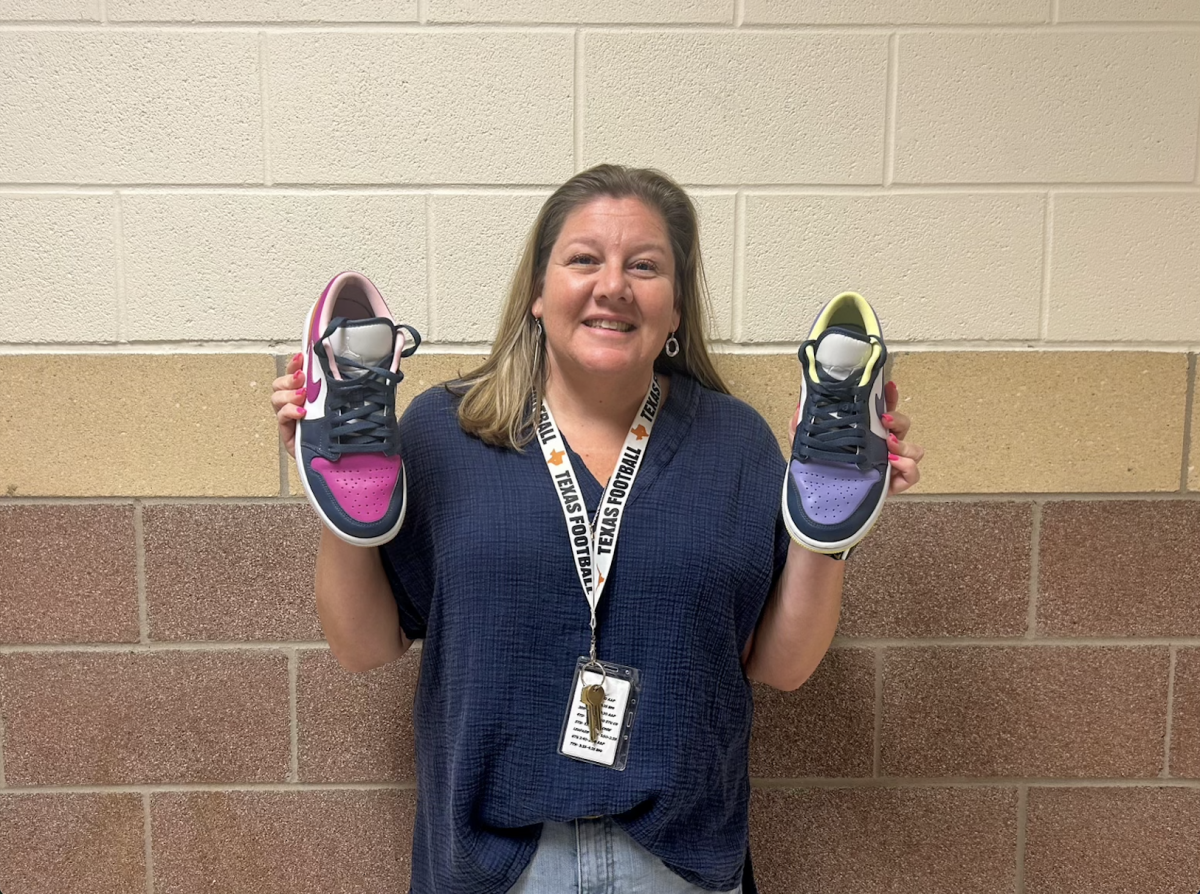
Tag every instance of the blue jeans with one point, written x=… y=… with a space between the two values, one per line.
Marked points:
x=596 y=856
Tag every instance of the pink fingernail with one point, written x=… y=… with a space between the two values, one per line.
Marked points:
x=893 y=439
x=296 y=359
x=893 y=457
x=302 y=411
x=300 y=392
x=886 y=417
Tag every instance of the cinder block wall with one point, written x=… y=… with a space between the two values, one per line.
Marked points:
x=1013 y=702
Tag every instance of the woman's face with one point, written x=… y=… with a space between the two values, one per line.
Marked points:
x=608 y=300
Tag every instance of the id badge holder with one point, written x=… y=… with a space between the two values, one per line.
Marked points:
x=622 y=692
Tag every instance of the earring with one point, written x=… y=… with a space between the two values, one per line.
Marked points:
x=672 y=346
x=537 y=321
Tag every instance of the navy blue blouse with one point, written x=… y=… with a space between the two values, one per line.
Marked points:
x=482 y=571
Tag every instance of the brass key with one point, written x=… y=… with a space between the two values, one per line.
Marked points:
x=593 y=697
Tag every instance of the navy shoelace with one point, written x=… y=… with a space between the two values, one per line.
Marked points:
x=836 y=425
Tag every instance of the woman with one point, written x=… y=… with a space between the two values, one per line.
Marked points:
x=599 y=374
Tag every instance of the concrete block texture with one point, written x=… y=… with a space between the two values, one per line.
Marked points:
x=247 y=842
x=593 y=11
x=1125 y=267
x=356 y=727
x=462 y=107
x=934 y=267
x=73 y=842
x=1047 y=107
x=1023 y=712
x=894 y=12
x=68 y=574
x=1123 y=11
x=824 y=728
x=262 y=10
x=727 y=108
x=231 y=572
x=137 y=106
x=249 y=267
x=850 y=841
x=478 y=240
x=1119 y=568
x=1185 y=725
x=1112 y=840
x=50 y=10
x=58 y=272
x=941 y=569
x=89 y=718
x=995 y=422
x=138 y=425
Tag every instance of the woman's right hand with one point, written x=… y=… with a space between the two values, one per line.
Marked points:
x=287 y=398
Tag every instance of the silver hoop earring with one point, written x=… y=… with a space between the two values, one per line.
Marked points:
x=537 y=321
x=672 y=346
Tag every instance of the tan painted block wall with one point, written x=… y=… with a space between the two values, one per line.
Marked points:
x=133 y=425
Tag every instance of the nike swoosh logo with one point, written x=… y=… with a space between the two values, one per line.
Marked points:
x=314 y=385
x=880 y=404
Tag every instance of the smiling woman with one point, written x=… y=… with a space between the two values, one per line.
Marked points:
x=653 y=495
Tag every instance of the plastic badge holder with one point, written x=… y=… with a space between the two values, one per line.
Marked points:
x=623 y=691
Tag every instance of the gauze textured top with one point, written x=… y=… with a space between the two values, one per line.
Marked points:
x=482 y=571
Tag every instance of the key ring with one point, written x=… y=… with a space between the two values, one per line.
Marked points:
x=603 y=673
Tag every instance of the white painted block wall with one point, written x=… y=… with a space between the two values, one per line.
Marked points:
x=176 y=173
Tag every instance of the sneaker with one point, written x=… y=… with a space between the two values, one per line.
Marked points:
x=839 y=472
x=348 y=442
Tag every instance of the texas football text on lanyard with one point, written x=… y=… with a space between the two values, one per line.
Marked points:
x=604 y=698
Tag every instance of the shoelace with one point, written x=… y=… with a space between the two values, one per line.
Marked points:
x=362 y=409
x=836 y=429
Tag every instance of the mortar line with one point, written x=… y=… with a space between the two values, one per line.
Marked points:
x=217 y=787
x=1021 y=641
x=1047 y=239
x=420 y=188
x=889 y=109
x=898 y=782
x=1189 y=406
x=430 y=287
x=1054 y=12
x=102 y=11
x=293 y=674
x=739 y=13
x=264 y=101
x=577 y=74
x=284 y=486
x=3 y=780
x=139 y=552
x=1022 y=827
x=738 y=299
x=716 y=345
x=150 y=647
x=149 y=842
x=119 y=271
x=877 y=735
x=422 y=12
x=312 y=26
x=1035 y=538
x=1166 y=770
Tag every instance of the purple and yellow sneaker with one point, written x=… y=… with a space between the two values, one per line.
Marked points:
x=348 y=444
x=838 y=475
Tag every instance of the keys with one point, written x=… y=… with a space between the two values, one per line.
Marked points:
x=593 y=697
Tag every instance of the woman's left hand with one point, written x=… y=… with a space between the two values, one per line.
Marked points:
x=903 y=455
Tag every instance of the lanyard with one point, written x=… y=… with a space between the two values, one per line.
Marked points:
x=593 y=551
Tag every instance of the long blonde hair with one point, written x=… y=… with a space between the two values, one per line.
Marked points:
x=502 y=397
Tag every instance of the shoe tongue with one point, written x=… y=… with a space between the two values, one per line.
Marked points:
x=842 y=350
x=369 y=342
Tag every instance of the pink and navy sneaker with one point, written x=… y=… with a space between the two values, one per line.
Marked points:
x=838 y=475
x=348 y=442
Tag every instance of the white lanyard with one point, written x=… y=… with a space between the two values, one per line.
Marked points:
x=593 y=551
